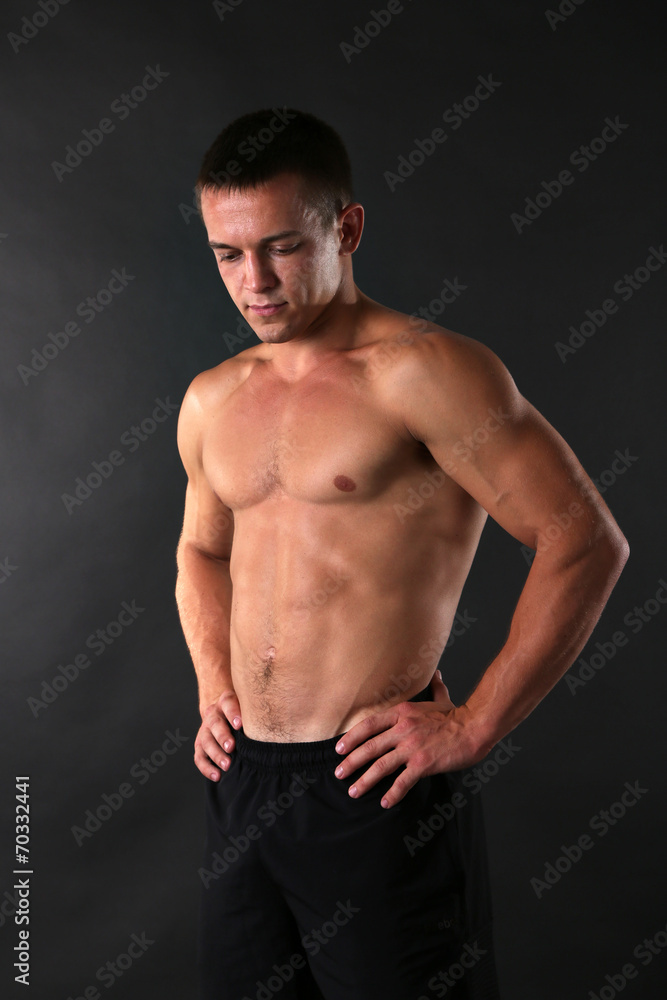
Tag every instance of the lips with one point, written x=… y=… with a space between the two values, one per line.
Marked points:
x=268 y=309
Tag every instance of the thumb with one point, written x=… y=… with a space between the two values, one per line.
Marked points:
x=440 y=690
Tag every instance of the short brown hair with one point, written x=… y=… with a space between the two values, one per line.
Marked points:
x=258 y=146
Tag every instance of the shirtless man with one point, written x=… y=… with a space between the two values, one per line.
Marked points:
x=307 y=586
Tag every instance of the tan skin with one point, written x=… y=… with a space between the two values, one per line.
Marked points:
x=306 y=583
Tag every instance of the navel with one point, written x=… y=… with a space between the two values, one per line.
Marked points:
x=345 y=484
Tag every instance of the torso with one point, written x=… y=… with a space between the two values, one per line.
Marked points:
x=350 y=548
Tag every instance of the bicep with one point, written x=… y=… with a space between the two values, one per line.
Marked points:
x=522 y=472
x=500 y=449
x=208 y=524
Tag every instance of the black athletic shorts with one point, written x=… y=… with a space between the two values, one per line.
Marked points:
x=309 y=894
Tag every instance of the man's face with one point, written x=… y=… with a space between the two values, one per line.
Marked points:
x=280 y=266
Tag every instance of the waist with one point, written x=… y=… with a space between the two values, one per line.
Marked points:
x=290 y=756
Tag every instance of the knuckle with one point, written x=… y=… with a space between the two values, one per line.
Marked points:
x=420 y=760
x=403 y=783
x=380 y=765
x=363 y=730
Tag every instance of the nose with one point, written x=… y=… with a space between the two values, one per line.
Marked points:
x=258 y=274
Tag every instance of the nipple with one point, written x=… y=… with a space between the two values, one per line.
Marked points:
x=345 y=484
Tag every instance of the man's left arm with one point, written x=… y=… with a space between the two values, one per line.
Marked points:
x=460 y=401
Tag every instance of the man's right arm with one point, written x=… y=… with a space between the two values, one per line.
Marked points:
x=204 y=591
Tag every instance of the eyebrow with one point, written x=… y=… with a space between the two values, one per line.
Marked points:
x=265 y=239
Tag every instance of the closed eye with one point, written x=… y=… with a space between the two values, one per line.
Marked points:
x=281 y=251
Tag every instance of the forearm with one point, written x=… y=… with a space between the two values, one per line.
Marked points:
x=204 y=598
x=563 y=597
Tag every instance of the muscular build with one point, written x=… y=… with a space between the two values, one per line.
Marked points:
x=306 y=578
x=335 y=586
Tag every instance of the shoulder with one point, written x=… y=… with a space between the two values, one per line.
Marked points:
x=207 y=392
x=212 y=387
x=435 y=353
x=439 y=373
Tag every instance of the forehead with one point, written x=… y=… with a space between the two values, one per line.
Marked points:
x=277 y=205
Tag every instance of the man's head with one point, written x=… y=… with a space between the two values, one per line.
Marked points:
x=259 y=146
x=282 y=224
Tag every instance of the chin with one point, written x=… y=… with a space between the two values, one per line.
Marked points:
x=276 y=334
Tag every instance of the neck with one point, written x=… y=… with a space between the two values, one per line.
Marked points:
x=338 y=327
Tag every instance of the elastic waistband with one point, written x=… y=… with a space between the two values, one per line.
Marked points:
x=290 y=756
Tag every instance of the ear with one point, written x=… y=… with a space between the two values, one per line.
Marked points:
x=350 y=225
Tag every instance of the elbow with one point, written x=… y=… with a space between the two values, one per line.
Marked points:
x=189 y=551
x=180 y=553
x=611 y=550
x=602 y=551
x=621 y=548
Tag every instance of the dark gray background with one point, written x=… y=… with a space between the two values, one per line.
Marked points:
x=67 y=574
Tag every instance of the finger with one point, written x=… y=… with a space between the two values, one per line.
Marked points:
x=229 y=706
x=367 y=727
x=204 y=764
x=400 y=788
x=378 y=769
x=373 y=749
x=209 y=746
x=219 y=728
